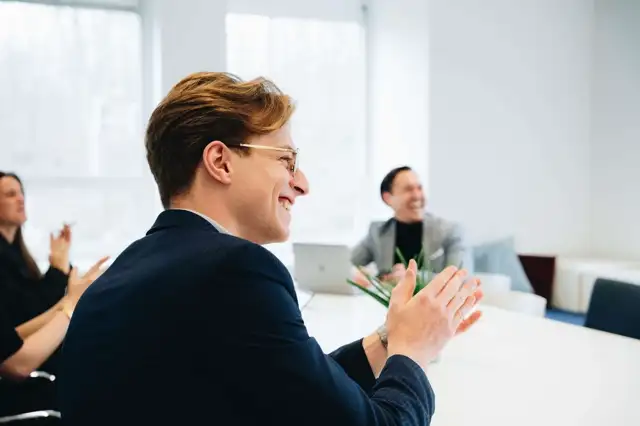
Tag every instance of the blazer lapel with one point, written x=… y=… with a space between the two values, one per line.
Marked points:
x=387 y=246
x=433 y=251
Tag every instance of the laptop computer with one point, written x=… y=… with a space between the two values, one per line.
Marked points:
x=323 y=268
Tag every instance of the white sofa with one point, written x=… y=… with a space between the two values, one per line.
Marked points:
x=575 y=277
x=497 y=292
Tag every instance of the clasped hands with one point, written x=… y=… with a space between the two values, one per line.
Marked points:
x=420 y=326
x=60 y=246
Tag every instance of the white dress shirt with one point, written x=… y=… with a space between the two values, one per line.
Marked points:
x=215 y=224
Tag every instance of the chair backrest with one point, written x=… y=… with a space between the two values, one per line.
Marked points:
x=34 y=418
x=36 y=393
x=516 y=301
x=615 y=308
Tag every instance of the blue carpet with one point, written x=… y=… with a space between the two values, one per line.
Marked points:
x=563 y=316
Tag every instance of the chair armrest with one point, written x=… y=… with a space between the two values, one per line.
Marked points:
x=42 y=375
x=43 y=414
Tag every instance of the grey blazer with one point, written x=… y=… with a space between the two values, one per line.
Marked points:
x=443 y=243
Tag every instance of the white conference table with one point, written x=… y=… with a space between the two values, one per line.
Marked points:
x=509 y=369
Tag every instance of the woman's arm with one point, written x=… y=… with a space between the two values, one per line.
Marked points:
x=54 y=281
x=28 y=328
x=45 y=332
x=37 y=348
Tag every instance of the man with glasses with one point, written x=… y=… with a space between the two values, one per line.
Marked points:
x=197 y=323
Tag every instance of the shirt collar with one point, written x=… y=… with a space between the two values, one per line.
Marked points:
x=215 y=224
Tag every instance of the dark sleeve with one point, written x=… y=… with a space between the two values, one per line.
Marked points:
x=53 y=286
x=277 y=365
x=354 y=362
x=10 y=342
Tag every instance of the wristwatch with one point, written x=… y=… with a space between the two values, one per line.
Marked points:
x=382 y=334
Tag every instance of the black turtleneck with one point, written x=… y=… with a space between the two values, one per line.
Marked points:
x=408 y=240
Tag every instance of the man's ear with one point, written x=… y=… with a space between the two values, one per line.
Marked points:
x=216 y=159
x=386 y=197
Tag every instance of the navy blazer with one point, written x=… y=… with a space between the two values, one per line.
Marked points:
x=191 y=326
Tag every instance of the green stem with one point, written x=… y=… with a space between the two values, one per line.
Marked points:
x=370 y=293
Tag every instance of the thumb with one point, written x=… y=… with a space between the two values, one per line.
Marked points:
x=403 y=291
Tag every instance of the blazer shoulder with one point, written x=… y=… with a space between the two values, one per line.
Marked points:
x=446 y=228
x=440 y=222
x=246 y=255
x=379 y=225
x=238 y=254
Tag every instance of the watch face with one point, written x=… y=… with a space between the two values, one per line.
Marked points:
x=382 y=333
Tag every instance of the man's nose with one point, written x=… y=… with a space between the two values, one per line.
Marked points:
x=299 y=183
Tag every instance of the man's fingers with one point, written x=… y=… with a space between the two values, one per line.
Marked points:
x=468 y=322
x=460 y=314
x=403 y=291
x=413 y=266
x=440 y=281
x=468 y=289
x=478 y=295
x=452 y=287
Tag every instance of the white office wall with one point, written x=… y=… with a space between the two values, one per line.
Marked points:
x=179 y=38
x=509 y=119
x=398 y=92
x=102 y=4
x=615 y=163
x=70 y=117
x=348 y=10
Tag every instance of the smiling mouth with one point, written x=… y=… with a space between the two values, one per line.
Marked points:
x=285 y=203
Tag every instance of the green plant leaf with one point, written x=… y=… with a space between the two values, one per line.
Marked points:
x=375 y=282
x=376 y=296
x=420 y=257
x=401 y=257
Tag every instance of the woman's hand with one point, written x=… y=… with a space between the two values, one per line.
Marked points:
x=59 y=249
x=77 y=285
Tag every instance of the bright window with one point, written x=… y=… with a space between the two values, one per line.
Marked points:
x=71 y=125
x=321 y=64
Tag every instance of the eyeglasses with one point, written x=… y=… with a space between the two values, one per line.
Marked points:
x=292 y=163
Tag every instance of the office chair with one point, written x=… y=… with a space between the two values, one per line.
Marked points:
x=33 y=418
x=29 y=402
x=615 y=308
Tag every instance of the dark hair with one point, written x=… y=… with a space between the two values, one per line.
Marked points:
x=387 y=182
x=206 y=107
x=32 y=266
